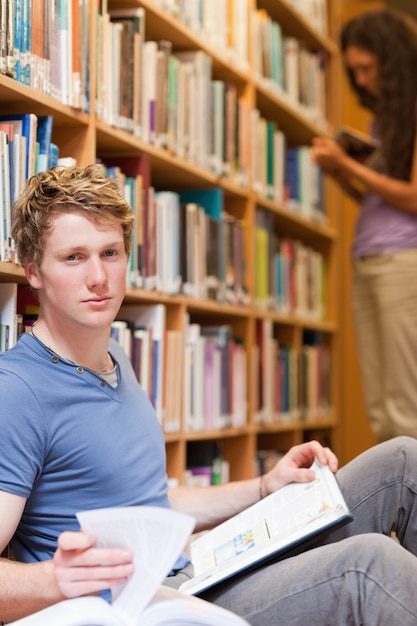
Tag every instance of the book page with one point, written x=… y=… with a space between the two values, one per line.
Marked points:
x=85 y=611
x=171 y=608
x=273 y=524
x=156 y=536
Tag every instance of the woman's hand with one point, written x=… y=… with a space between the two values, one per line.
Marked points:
x=328 y=155
x=293 y=467
x=82 y=569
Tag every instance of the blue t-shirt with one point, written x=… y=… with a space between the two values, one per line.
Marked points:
x=71 y=442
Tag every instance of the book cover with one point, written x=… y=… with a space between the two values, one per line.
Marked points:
x=359 y=146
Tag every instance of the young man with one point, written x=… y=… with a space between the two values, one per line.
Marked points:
x=78 y=432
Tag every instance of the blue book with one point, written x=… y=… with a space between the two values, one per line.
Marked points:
x=212 y=200
x=292 y=179
x=53 y=154
x=17 y=44
x=44 y=133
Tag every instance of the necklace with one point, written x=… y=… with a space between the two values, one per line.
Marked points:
x=109 y=366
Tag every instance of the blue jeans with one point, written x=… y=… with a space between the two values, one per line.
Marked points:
x=358 y=574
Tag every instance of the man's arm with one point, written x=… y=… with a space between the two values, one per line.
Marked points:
x=23 y=588
x=76 y=569
x=212 y=505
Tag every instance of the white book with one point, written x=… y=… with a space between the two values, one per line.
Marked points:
x=150 y=50
x=291 y=63
x=200 y=102
x=156 y=537
x=168 y=275
x=8 y=299
x=3 y=212
x=279 y=166
x=153 y=318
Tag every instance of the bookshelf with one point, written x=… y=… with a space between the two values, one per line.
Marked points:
x=87 y=135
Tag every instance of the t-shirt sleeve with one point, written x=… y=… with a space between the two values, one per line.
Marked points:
x=24 y=435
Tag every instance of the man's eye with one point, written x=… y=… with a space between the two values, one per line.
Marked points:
x=110 y=252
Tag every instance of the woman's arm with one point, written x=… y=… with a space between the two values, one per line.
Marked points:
x=333 y=160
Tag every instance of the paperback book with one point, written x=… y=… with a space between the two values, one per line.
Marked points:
x=282 y=524
x=156 y=536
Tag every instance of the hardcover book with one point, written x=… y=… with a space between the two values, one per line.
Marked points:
x=358 y=145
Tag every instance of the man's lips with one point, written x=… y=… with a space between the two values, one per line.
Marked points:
x=98 y=301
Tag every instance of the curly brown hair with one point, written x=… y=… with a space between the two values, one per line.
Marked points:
x=60 y=189
x=392 y=38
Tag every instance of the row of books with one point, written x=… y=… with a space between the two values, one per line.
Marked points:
x=289 y=275
x=289 y=383
x=203 y=16
x=223 y=25
x=196 y=376
x=215 y=378
x=184 y=241
x=207 y=364
x=156 y=354
x=44 y=44
x=216 y=474
x=26 y=148
x=304 y=185
x=285 y=175
x=170 y=98
x=287 y=67
x=205 y=465
x=314 y=13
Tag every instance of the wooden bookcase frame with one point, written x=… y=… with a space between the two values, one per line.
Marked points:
x=83 y=136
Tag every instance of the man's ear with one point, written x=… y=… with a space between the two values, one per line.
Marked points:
x=33 y=275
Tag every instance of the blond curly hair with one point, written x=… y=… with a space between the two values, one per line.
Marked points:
x=61 y=189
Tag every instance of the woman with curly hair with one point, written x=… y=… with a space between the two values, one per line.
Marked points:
x=380 y=55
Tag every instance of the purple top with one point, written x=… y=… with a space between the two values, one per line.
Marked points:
x=381 y=228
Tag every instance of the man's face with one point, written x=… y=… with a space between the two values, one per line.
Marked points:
x=82 y=277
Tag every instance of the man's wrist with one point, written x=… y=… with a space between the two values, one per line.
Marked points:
x=262 y=494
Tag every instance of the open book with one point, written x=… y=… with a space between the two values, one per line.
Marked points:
x=156 y=537
x=359 y=146
x=281 y=524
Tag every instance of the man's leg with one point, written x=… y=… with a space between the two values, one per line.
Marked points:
x=362 y=580
x=359 y=576
x=380 y=487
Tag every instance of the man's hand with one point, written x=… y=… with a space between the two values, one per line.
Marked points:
x=293 y=466
x=82 y=569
